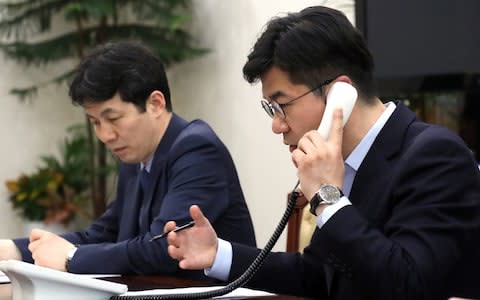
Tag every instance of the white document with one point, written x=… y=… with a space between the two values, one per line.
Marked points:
x=4 y=278
x=240 y=292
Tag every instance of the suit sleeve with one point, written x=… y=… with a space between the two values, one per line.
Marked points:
x=406 y=250
x=433 y=216
x=281 y=272
x=195 y=169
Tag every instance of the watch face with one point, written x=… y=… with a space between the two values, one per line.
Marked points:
x=329 y=194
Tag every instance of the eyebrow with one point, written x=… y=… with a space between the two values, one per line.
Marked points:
x=275 y=95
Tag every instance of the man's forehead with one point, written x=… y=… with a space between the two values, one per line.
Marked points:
x=100 y=108
x=270 y=86
x=276 y=83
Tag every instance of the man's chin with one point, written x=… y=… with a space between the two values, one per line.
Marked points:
x=126 y=159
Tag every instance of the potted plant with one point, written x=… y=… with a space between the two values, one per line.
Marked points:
x=57 y=191
x=43 y=196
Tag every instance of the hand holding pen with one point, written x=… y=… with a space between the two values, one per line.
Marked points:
x=178 y=228
x=195 y=249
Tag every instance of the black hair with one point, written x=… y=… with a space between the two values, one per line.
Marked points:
x=311 y=46
x=125 y=67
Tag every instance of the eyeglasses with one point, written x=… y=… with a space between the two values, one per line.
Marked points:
x=272 y=107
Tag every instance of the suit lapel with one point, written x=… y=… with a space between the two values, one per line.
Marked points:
x=373 y=175
x=129 y=223
x=174 y=128
x=147 y=196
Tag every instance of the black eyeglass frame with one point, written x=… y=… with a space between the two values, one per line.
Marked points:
x=272 y=107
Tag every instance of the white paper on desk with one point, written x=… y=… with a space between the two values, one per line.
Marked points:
x=240 y=292
x=100 y=275
x=4 y=278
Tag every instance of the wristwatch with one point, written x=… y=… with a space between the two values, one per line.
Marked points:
x=70 y=255
x=327 y=194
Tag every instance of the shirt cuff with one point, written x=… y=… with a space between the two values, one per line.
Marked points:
x=330 y=210
x=222 y=263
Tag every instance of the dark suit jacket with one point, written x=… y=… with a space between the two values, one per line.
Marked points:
x=411 y=232
x=191 y=166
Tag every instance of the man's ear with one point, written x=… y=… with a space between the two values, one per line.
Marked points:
x=156 y=103
x=344 y=78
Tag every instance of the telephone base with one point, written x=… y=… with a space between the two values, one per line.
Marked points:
x=31 y=282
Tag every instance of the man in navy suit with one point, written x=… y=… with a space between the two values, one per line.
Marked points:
x=396 y=200
x=167 y=164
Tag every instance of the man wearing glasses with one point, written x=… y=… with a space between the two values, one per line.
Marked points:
x=396 y=200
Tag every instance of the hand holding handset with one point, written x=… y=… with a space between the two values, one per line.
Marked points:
x=341 y=95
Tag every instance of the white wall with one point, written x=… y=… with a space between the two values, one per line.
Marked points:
x=29 y=130
x=211 y=88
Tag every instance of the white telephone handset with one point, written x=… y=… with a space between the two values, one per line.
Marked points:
x=342 y=95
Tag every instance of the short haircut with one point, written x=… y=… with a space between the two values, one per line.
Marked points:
x=127 y=68
x=311 y=46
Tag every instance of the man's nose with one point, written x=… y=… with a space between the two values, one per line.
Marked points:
x=105 y=133
x=279 y=125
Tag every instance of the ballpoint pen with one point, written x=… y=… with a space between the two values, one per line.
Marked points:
x=178 y=228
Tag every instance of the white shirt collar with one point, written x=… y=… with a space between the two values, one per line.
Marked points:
x=147 y=166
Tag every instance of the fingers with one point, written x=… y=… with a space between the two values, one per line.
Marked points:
x=183 y=264
x=309 y=142
x=173 y=251
x=336 y=131
x=312 y=142
x=176 y=253
x=169 y=226
x=35 y=238
x=198 y=216
x=36 y=234
x=297 y=155
x=49 y=250
x=194 y=248
x=318 y=160
x=305 y=145
x=32 y=246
